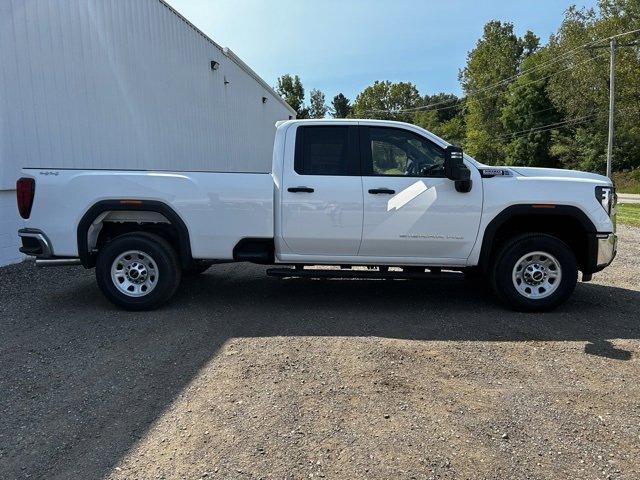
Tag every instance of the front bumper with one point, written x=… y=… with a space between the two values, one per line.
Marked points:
x=601 y=250
x=607 y=247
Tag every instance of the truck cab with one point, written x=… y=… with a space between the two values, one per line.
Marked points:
x=367 y=192
x=387 y=196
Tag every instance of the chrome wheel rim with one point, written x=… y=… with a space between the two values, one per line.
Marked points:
x=134 y=273
x=537 y=275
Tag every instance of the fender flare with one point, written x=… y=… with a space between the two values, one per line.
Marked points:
x=87 y=258
x=525 y=210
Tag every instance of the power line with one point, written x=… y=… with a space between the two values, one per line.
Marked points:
x=556 y=59
x=544 y=127
x=559 y=71
x=508 y=79
x=537 y=111
x=463 y=100
x=564 y=124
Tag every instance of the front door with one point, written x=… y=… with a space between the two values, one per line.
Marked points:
x=321 y=195
x=410 y=208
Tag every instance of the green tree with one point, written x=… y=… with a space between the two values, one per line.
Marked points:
x=579 y=86
x=446 y=105
x=451 y=129
x=530 y=43
x=387 y=100
x=427 y=119
x=494 y=59
x=527 y=112
x=341 y=107
x=291 y=90
x=318 y=108
x=445 y=117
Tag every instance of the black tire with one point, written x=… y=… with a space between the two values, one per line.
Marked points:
x=196 y=267
x=504 y=263
x=162 y=257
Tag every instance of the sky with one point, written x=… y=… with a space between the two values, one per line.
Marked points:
x=344 y=46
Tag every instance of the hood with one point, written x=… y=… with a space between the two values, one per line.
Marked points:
x=559 y=173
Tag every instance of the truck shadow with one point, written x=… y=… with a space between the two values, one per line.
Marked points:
x=439 y=308
x=83 y=382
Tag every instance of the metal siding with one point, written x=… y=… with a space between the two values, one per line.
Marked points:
x=112 y=84
x=10 y=222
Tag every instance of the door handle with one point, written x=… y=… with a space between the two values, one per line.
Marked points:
x=377 y=191
x=300 y=190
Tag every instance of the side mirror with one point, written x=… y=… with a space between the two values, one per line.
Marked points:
x=456 y=170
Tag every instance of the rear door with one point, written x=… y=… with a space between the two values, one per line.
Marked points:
x=321 y=196
x=410 y=208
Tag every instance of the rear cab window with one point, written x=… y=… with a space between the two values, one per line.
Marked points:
x=327 y=150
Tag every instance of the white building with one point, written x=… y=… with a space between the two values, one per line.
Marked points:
x=122 y=85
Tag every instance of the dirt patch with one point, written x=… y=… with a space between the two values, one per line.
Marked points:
x=244 y=376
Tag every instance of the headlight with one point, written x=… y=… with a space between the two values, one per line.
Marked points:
x=606 y=196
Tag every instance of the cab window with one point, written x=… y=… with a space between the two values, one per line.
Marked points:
x=326 y=150
x=398 y=152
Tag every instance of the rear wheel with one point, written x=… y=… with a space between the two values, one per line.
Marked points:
x=534 y=272
x=138 y=271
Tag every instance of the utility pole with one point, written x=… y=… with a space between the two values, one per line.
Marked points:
x=612 y=103
x=613 y=44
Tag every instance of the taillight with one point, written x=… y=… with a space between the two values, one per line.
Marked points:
x=25 y=189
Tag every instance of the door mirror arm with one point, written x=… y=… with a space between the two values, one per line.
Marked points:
x=456 y=170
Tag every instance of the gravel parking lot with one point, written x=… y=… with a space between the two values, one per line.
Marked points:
x=245 y=376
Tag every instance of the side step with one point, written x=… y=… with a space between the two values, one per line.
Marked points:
x=375 y=274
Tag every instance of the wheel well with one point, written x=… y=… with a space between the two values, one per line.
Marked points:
x=112 y=227
x=567 y=228
x=111 y=218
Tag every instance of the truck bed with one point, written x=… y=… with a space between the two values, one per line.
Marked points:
x=219 y=209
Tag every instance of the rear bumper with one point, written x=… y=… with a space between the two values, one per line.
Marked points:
x=35 y=243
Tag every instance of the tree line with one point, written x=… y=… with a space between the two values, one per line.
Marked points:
x=523 y=103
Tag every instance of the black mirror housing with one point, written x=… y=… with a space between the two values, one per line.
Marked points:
x=455 y=169
x=453 y=158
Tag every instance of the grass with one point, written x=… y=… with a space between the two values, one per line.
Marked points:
x=629 y=214
x=627 y=182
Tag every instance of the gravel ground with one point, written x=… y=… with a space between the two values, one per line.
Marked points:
x=244 y=376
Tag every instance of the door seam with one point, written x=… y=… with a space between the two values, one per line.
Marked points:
x=362 y=228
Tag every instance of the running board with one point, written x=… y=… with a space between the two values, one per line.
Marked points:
x=372 y=274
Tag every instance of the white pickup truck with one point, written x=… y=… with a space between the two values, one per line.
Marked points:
x=388 y=196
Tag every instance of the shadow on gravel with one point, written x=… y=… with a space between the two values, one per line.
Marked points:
x=82 y=382
x=604 y=348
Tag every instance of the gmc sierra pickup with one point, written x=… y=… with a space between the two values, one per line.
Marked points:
x=351 y=193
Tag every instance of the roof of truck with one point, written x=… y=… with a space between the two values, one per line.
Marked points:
x=351 y=120
x=360 y=121
x=371 y=121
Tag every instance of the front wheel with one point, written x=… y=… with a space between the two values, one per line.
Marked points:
x=138 y=271
x=534 y=272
